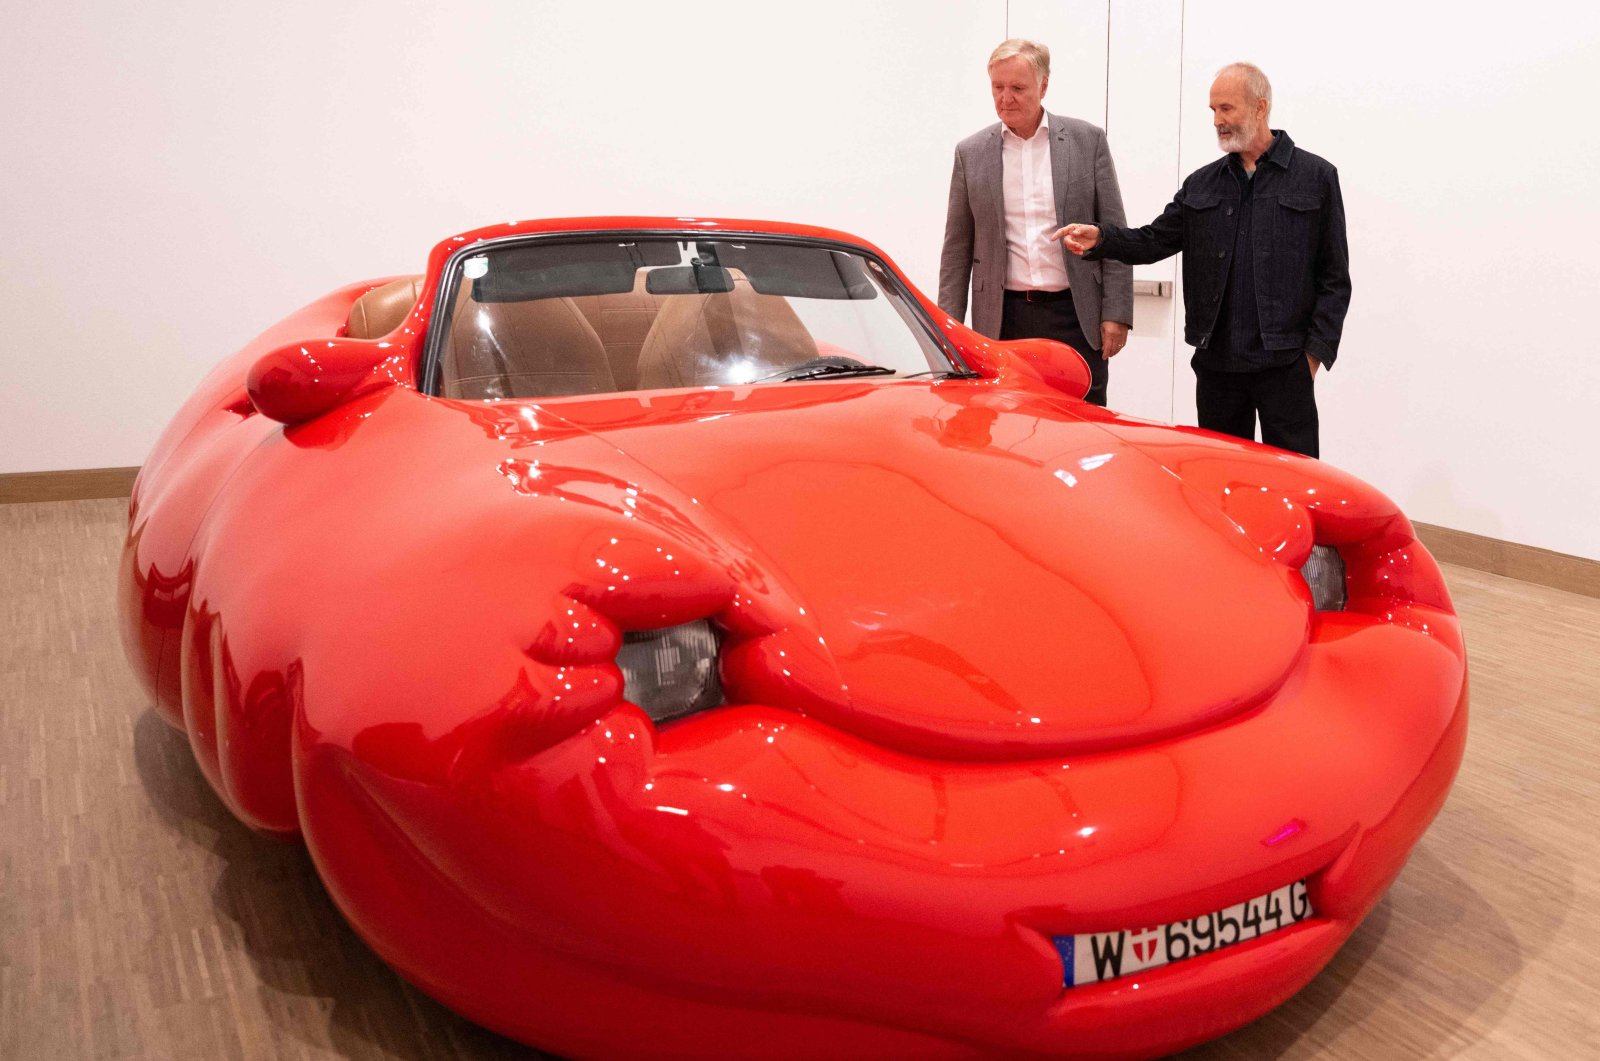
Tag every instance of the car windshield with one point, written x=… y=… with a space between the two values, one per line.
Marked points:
x=546 y=319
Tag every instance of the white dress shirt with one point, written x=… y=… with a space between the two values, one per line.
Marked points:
x=1033 y=261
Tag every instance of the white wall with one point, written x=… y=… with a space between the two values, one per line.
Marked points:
x=1144 y=112
x=178 y=175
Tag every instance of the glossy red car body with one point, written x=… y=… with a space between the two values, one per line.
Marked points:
x=1001 y=666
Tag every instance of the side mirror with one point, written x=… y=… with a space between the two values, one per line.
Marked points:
x=301 y=381
x=1037 y=361
x=1058 y=364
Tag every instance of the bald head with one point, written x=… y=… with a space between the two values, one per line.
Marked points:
x=1253 y=80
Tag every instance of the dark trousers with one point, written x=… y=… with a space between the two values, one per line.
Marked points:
x=1285 y=399
x=1058 y=320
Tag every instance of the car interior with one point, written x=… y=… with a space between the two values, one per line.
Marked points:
x=538 y=329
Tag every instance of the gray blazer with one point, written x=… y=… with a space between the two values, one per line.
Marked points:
x=975 y=228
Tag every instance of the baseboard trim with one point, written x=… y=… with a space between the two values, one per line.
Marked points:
x=81 y=484
x=1528 y=563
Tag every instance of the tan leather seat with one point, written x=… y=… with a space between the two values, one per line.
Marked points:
x=380 y=311
x=697 y=339
x=623 y=322
x=542 y=348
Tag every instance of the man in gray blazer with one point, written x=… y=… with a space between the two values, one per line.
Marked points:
x=1015 y=183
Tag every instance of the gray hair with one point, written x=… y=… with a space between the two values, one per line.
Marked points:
x=1038 y=55
x=1255 y=82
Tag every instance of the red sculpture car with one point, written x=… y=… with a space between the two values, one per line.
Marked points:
x=679 y=638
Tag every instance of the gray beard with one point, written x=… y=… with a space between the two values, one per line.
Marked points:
x=1238 y=140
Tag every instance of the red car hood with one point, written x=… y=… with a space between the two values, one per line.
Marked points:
x=990 y=574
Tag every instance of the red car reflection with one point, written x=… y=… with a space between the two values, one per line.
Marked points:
x=681 y=639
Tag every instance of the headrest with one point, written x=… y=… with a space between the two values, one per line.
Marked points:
x=380 y=311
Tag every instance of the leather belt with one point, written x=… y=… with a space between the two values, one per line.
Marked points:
x=1040 y=296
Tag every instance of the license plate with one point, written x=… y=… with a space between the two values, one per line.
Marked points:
x=1095 y=956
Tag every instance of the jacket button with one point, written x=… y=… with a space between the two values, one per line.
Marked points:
x=1222 y=254
x=1230 y=211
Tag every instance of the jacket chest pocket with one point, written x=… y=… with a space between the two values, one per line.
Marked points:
x=1296 y=224
x=1204 y=220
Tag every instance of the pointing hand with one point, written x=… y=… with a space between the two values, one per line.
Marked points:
x=1078 y=238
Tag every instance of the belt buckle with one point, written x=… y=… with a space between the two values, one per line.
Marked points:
x=1028 y=295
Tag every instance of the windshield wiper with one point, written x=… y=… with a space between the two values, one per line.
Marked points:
x=946 y=373
x=832 y=365
x=837 y=370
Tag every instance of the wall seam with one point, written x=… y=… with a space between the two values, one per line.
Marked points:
x=1106 y=119
x=1177 y=285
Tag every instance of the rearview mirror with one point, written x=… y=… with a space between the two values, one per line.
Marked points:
x=301 y=381
x=689 y=280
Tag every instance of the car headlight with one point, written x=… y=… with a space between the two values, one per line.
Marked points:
x=1324 y=573
x=671 y=672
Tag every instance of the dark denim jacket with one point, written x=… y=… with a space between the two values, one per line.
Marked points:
x=1302 y=269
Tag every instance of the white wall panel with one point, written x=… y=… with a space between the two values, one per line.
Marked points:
x=1075 y=33
x=1466 y=145
x=1143 y=114
x=179 y=175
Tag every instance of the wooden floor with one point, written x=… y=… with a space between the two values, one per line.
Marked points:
x=139 y=920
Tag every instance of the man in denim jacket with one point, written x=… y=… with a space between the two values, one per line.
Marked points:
x=1266 y=269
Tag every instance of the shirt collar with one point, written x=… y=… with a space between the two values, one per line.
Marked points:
x=1043 y=130
x=1277 y=153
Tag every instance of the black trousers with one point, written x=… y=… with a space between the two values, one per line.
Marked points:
x=1058 y=320
x=1285 y=398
